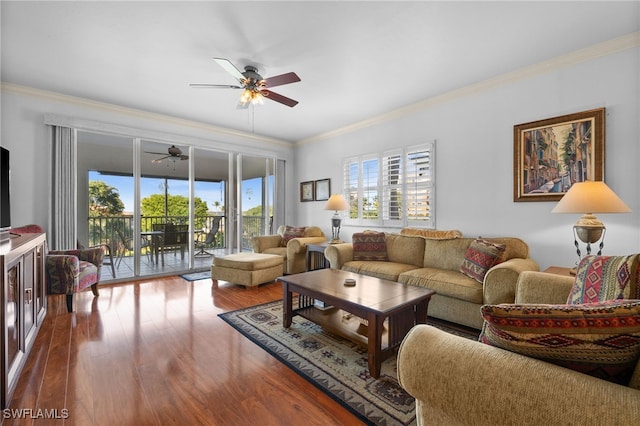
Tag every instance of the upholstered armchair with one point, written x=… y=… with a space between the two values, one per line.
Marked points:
x=544 y=372
x=289 y=242
x=70 y=271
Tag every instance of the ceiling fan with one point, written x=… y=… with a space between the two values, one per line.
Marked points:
x=173 y=152
x=255 y=88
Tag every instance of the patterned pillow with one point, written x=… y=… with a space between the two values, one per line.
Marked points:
x=480 y=257
x=291 y=232
x=600 y=278
x=369 y=246
x=599 y=339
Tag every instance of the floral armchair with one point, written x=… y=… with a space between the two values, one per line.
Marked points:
x=289 y=242
x=69 y=271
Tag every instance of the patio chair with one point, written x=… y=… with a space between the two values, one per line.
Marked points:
x=210 y=238
x=126 y=245
x=173 y=237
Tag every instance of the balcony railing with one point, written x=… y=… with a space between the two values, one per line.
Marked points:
x=117 y=230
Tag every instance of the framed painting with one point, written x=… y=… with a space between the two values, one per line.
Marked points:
x=306 y=191
x=323 y=189
x=551 y=155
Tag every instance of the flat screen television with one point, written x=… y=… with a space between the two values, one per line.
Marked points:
x=5 y=198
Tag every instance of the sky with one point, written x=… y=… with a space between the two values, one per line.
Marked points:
x=209 y=192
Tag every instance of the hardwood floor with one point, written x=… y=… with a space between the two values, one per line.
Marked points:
x=154 y=352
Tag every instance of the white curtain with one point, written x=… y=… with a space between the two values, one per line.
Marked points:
x=63 y=202
x=279 y=197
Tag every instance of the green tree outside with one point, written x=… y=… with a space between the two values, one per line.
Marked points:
x=176 y=206
x=104 y=200
x=254 y=211
x=257 y=211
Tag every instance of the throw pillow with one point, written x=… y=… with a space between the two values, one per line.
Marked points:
x=369 y=246
x=599 y=339
x=480 y=257
x=600 y=278
x=291 y=232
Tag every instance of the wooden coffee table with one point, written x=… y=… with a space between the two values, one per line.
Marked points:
x=372 y=299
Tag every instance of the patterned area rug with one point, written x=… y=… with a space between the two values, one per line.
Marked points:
x=333 y=364
x=195 y=276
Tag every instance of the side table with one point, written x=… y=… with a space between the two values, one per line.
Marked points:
x=315 y=256
x=561 y=270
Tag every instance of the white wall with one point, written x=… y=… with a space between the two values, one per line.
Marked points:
x=27 y=137
x=474 y=152
x=474 y=155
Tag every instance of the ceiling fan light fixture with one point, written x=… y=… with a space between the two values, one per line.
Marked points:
x=254 y=97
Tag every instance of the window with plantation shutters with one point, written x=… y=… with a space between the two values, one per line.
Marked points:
x=362 y=187
x=394 y=189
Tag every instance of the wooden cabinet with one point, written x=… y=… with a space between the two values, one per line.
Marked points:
x=24 y=304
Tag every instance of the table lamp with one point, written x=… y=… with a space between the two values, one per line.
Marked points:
x=590 y=197
x=336 y=202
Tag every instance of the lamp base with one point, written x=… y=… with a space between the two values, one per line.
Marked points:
x=588 y=236
x=335 y=229
x=336 y=241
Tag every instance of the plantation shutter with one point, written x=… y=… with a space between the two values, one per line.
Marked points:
x=392 y=214
x=351 y=186
x=370 y=189
x=419 y=175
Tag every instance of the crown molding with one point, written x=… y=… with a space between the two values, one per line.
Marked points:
x=132 y=112
x=610 y=47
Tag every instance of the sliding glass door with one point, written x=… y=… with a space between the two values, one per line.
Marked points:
x=106 y=199
x=166 y=208
x=211 y=175
x=256 y=183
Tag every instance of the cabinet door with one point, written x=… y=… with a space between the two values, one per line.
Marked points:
x=11 y=310
x=40 y=296
x=28 y=281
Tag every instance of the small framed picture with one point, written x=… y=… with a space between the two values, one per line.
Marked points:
x=323 y=189
x=306 y=191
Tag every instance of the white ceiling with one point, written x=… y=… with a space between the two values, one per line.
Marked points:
x=356 y=60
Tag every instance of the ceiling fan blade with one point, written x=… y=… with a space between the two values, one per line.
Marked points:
x=184 y=157
x=230 y=68
x=214 y=86
x=159 y=160
x=281 y=79
x=155 y=153
x=279 y=98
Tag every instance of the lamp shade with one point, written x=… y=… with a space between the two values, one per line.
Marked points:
x=336 y=202
x=590 y=197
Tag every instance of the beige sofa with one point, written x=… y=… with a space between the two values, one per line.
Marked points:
x=457 y=381
x=294 y=253
x=435 y=264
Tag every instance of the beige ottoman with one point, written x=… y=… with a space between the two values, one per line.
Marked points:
x=247 y=269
